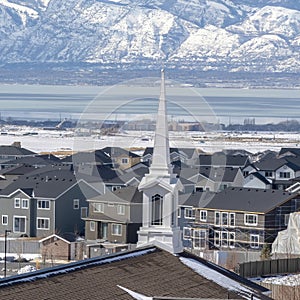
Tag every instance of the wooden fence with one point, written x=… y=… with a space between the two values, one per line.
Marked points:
x=269 y=267
x=283 y=292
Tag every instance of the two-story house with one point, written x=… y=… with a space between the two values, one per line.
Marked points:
x=114 y=217
x=45 y=202
x=243 y=218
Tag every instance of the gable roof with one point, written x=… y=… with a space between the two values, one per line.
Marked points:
x=223 y=160
x=249 y=199
x=221 y=174
x=147 y=271
x=16 y=151
x=259 y=176
x=271 y=164
x=117 y=151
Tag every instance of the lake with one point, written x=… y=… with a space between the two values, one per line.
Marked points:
x=128 y=100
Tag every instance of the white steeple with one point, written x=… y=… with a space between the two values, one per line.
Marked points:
x=160 y=189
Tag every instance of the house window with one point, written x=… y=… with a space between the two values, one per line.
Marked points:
x=19 y=224
x=217 y=218
x=268 y=173
x=225 y=218
x=98 y=207
x=284 y=174
x=25 y=203
x=43 y=204
x=217 y=239
x=92 y=225
x=116 y=229
x=232 y=219
x=157 y=210
x=186 y=233
x=178 y=212
x=231 y=239
x=75 y=203
x=189 y=213
x=124 y=161
x=254 y=241
x=4 y=219
x=83 y=212
x=17 y=202
x=121 y=209
x=199 y=238
x=43 y=223
x=250 y=219
x=245 y=173
x=203 y=215
x=224 y=239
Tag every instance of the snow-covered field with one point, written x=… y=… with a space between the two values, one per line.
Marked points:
x=40 y=140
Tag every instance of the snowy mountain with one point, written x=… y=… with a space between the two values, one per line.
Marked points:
x=221 y=35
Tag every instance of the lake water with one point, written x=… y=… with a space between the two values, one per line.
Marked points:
x=127 y=101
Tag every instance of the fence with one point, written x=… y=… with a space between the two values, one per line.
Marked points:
x=283 y=292
x=20 y=246
x=269 y=267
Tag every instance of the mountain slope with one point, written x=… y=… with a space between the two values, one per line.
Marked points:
x=209 y=35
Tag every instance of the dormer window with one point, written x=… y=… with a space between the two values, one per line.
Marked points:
x=157 y=210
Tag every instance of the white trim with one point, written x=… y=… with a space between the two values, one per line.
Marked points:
x=101 y=204
x=15 y=201
x=215 y=220
x=92 y=226
x=4 y=216
x=189 y=209
x=121 y=209
x=252 y=244
x=37 y=223
x=77 y=201
x=250 y=224
x=187 y=237
x=27 y=200
x=43 y=208
x=53 y=235
x=203 y=211
x=112 y=231
x=229 y=220
x=19 y=217
x=199 y=238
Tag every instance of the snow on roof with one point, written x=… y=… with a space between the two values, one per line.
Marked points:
x=218 y=278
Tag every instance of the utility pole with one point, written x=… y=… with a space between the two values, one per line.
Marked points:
x=5 y=250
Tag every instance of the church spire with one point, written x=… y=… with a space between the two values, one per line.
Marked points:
x=160 y=189
x=161 y=151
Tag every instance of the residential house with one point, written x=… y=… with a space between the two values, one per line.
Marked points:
x=242 y=218
x=13 y=151
x=36 y=204
x=121 y=158
x=114 y=217
x=256 y=180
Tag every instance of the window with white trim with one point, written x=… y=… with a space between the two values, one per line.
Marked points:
x=25 y=203
x=199 y=238
x=83 y=212
x=19 y=225
x=43 y=204
x=217 y=238
x=121 y=209
x=43 y=223
x=231 y=239
x=75 y=203
x=92 y=225
x=17 y=202
x=203 y=215
x=98 y=207
x=232 y=219
x=225 y=218
x=217 y=218
x=157 y=210
x=187 y=233
x=124 y=160
x=224 y=239
x=116 y=229
x=254 y=241
x=250 y=219
x=284 y=174
x=189 y=213
x=4 y=219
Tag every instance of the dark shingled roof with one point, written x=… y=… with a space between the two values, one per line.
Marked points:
x=16 y=151
x=147 y=271
x=249 y=199
x=226 y=174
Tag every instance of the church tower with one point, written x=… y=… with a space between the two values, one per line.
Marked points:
x=160 y=190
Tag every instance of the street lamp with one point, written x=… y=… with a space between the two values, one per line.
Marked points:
x=5 y=249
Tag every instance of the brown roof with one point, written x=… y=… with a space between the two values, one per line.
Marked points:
x=153 y=272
